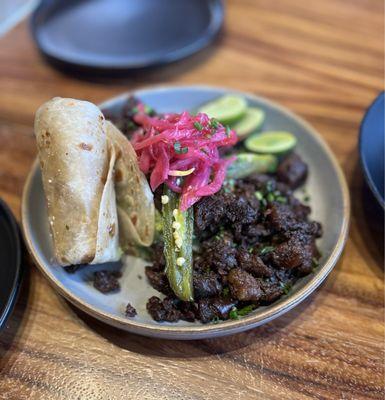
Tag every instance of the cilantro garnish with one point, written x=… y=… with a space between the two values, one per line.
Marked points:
x=258 y=195
x=214 y=123
x=235 y=313
x=225 y=292
x=286 y=287
x=266 y=250
x=198 y=125
x=180 y=150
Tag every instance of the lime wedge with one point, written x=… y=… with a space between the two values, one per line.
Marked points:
x=227 y=109
x=273 y=142
x=250 y=122
x=248 y=163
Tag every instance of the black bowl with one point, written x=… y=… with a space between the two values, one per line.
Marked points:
x=372 y=147
x=10 y=270
x=121 y=35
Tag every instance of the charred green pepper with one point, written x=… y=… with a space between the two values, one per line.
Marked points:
x=178 y=236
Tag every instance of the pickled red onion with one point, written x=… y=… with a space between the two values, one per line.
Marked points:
x=183 y=142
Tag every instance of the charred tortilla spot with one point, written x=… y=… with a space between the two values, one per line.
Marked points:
x=87 y=259
x=85 y=146
x=103 y=179
x=118 y=175
x=111 y=230
x=67 y=227
x=134 y=218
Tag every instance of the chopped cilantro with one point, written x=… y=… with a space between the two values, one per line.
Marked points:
x=228 y=131
x=198 y=126
x=314 y=262
x=270 y=197
x=131 y=125
x=135 y=110
x=265 y=250
x=214 y=123
x=148 y=109
x=286 y=287
x=281 y=199
x=216 y=320
x=246 y=310
x=235 y=313
x=258 y=195
x=225 y=292
x=306 y=198
x=180 y=150
x=269 y=186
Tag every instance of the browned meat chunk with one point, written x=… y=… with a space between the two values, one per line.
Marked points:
x=292 y=171
x=253 y=264
x=130 y=311
x=158 y=280
x=280 y=217
x=208 y=309
x=297 y=252
x=222 y=209
x=243 y=286
x=107 y=281
x=206 y=285
x=163 y=310
x=219 y=253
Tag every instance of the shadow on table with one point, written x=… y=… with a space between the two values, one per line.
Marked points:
x=198 y=348
x=151 y=74
x=16 y=322
x=368 y=215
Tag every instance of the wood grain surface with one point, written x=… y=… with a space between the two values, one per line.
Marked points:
x=322 y=59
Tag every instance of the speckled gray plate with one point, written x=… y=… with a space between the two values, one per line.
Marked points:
x=329 y=200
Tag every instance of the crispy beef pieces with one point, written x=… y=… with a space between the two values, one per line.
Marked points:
x=255 y=240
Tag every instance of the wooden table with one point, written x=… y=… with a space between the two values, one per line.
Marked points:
x=322 y=59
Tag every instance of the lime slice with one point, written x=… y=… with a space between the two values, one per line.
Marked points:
x=226 y=109
x=250 y=122
x=273 y=142
x=248 y=163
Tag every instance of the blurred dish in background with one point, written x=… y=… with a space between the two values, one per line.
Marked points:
x=123 y=35
x=372 y=147
x=13 y=11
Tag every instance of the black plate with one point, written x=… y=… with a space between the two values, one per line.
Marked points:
x=372 y=147
x=124 y=34
x=10 y=269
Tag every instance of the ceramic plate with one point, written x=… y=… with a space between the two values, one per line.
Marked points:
x=330 y=203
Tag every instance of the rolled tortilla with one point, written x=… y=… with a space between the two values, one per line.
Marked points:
x=77 y=166
x=135 y=203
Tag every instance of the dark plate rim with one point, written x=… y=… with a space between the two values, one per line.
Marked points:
x=364 y=165
x=17 y=269
x=203 y=41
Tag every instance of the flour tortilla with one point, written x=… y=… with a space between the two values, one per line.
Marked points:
x=77 y=164
x=134 y=199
